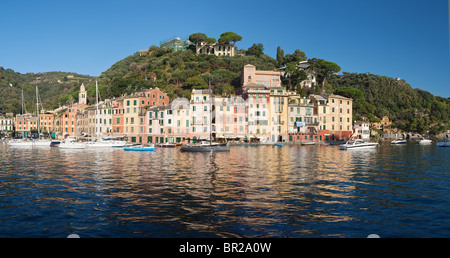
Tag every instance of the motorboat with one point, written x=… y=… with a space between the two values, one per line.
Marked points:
x=358 y=144
x=71 y=143
x=398 y=142
x=206 y=147
x=106 y=143
x=140 y=148
x=424 y=141
x=55 y=143
x=308 y=143
x=278 y=144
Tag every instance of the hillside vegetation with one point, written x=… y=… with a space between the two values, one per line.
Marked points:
x=178 y=72
x=412 y=110
x=54 y=88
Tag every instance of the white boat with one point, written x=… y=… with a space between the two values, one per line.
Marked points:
x=358 y=144
x=71 y=143
x=106 y=143
x=103 y=142
x=140 y=148
x=398 y=142
x=424 y=141
x=21 y=143
x=42 y=143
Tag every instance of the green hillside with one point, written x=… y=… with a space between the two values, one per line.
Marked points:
x=177 y=73
x=54 y=88
x=412 y=110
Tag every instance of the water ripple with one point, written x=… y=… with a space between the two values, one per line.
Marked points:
x=293 y=191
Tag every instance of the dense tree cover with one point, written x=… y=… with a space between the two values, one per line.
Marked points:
x=412 y=110
x=178 y=72
x=54 y=88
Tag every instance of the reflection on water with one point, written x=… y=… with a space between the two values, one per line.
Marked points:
x=265 y=191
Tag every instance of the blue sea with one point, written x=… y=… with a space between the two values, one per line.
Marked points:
x=251 y=192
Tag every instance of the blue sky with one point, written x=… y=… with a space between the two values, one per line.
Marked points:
x=396 y=38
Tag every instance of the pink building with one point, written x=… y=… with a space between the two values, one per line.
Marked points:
x=267 y=78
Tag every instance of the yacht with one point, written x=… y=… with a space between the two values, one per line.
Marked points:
x=424 y=141
x=358 y=144
x=71 y=143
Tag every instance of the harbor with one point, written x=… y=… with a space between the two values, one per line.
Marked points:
x=250 y=191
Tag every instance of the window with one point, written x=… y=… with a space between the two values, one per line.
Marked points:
x=128 y=102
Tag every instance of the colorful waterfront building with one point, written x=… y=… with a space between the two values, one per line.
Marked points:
x=179 y=121
x=118 y=116
x=278 y=120
x=257 y=99
x=303 y=123
x=335 y=116
x=6 y=124
x=201 y=104
x=46 y=122
x=230 y=118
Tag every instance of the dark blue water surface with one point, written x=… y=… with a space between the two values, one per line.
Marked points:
x=265 y=191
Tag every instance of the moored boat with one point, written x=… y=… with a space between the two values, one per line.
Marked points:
x=209 y=147
x=445 y=143
x=398 y=142
x=140 y=148
x=424 y=141
x=71 y=143
x=308 y=143
x=358 y=144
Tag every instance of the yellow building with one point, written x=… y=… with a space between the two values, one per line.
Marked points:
x=278 y=119
x=334 y=116
x=131 y=116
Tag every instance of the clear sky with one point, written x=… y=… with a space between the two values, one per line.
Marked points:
x=396 y=38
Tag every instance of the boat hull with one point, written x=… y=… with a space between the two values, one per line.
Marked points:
x=206 y=148
x=443 y=144
x=358 y=146
x=140 y=149
x=71 y=146
x=399 y=142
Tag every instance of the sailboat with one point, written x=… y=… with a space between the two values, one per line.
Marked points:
x=103 y=142
x=211 y=146
x=40 y=142
x=35 y=142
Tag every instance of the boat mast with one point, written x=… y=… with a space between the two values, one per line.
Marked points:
x=37 y=111
x=210 y=112
x=96 y=112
